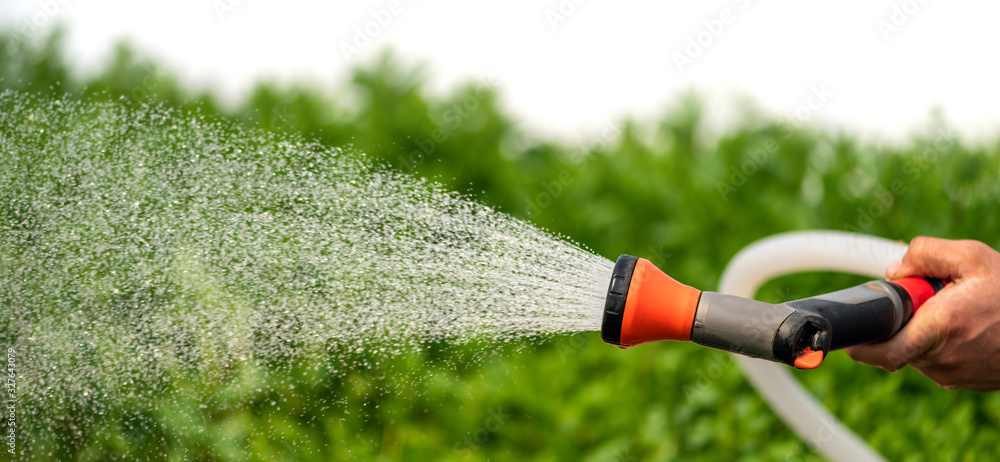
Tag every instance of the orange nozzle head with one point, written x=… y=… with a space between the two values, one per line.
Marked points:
x=645 y=305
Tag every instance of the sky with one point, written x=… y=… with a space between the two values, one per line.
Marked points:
x=567 y=68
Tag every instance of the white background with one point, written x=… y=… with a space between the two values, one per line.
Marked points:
x=605 y=60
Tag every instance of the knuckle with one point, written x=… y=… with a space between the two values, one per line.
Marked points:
x=893 y=365
x=895 y=361
x=948 y=384
x=946 y=319
x=975 y=246
x=920 y=246
x=978 y=252
x=888 y=363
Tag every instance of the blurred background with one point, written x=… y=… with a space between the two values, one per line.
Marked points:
x=679 y=132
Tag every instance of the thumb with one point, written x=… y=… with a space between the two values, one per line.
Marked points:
x=917 y=337
x=930 y=257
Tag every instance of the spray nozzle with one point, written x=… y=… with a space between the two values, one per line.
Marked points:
x=645 y=305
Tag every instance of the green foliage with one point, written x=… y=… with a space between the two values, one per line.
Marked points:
x=657 y=189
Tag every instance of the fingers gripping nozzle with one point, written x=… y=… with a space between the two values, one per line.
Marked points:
x=645 y=305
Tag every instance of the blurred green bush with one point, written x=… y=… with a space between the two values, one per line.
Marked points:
x=664 y=189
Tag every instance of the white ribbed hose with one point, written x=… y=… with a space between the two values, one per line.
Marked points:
x=797 y=252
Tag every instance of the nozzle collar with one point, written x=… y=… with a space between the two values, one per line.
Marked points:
x=614 y=304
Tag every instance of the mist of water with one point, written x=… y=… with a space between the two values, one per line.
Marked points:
x=138 y=241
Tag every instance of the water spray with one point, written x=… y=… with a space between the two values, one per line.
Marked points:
x=644 y=305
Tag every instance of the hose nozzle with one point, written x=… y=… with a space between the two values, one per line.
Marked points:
x=645 y=305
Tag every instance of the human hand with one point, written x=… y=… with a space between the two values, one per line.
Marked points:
x=954 y=338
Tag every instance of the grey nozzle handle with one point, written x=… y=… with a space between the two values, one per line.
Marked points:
x=783 y=332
